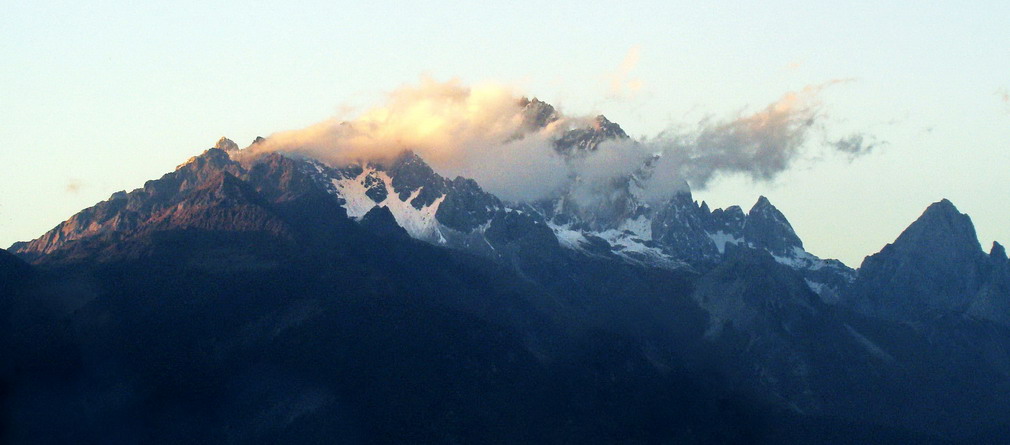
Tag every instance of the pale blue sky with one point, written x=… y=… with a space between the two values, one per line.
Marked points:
x=100 y=97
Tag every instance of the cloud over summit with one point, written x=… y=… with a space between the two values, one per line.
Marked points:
x=483 y=132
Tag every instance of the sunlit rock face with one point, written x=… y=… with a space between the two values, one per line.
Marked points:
x=609 y=217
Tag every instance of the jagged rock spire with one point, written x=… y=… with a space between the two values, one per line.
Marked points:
x=226 y=144
x=998 y=253
x=768 y=228
x=936 y=264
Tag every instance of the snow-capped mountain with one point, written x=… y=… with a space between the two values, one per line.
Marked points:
x=286 y=272
x=678 y=233
x=458 y=214
x=681 y=233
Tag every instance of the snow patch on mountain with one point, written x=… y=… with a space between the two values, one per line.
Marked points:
x=870 y=346
x=632 y=241
x=572 y=239
x=721 y=238
x=640 y=227
x=800 y=259
x=818 y=288
x=419 y=223
x=633 y=235
x=681 y=233
x=352 y=190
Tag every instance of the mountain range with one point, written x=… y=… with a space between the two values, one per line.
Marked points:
x=284 y=299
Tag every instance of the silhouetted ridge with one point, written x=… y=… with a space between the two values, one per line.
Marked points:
x=380 y=221
x=289 y=300
x=943 y=228
x=768 y=228
x=936 y=264
x=998 y=253
x=14 y=272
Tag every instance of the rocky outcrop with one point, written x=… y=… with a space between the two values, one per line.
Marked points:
x=767 y=228
x=935 y=266
x=381 y=222
x=589 y=139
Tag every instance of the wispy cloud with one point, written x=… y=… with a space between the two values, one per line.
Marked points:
x=760 y=145
x=622 y=84
x=855 y=145
x=74 y=186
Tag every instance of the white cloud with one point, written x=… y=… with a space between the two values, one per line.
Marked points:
x=621 y=82
x=478 y=132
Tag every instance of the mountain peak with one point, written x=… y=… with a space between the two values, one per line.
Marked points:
x=226 y=144
x=608 y=129
x=410 y=173
x=942 y=207
x=767 y=227
x=998 y=253
x=589 y=138
x=936 y=263
x=942 y=227
x=537 y=113
x=380 y=220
